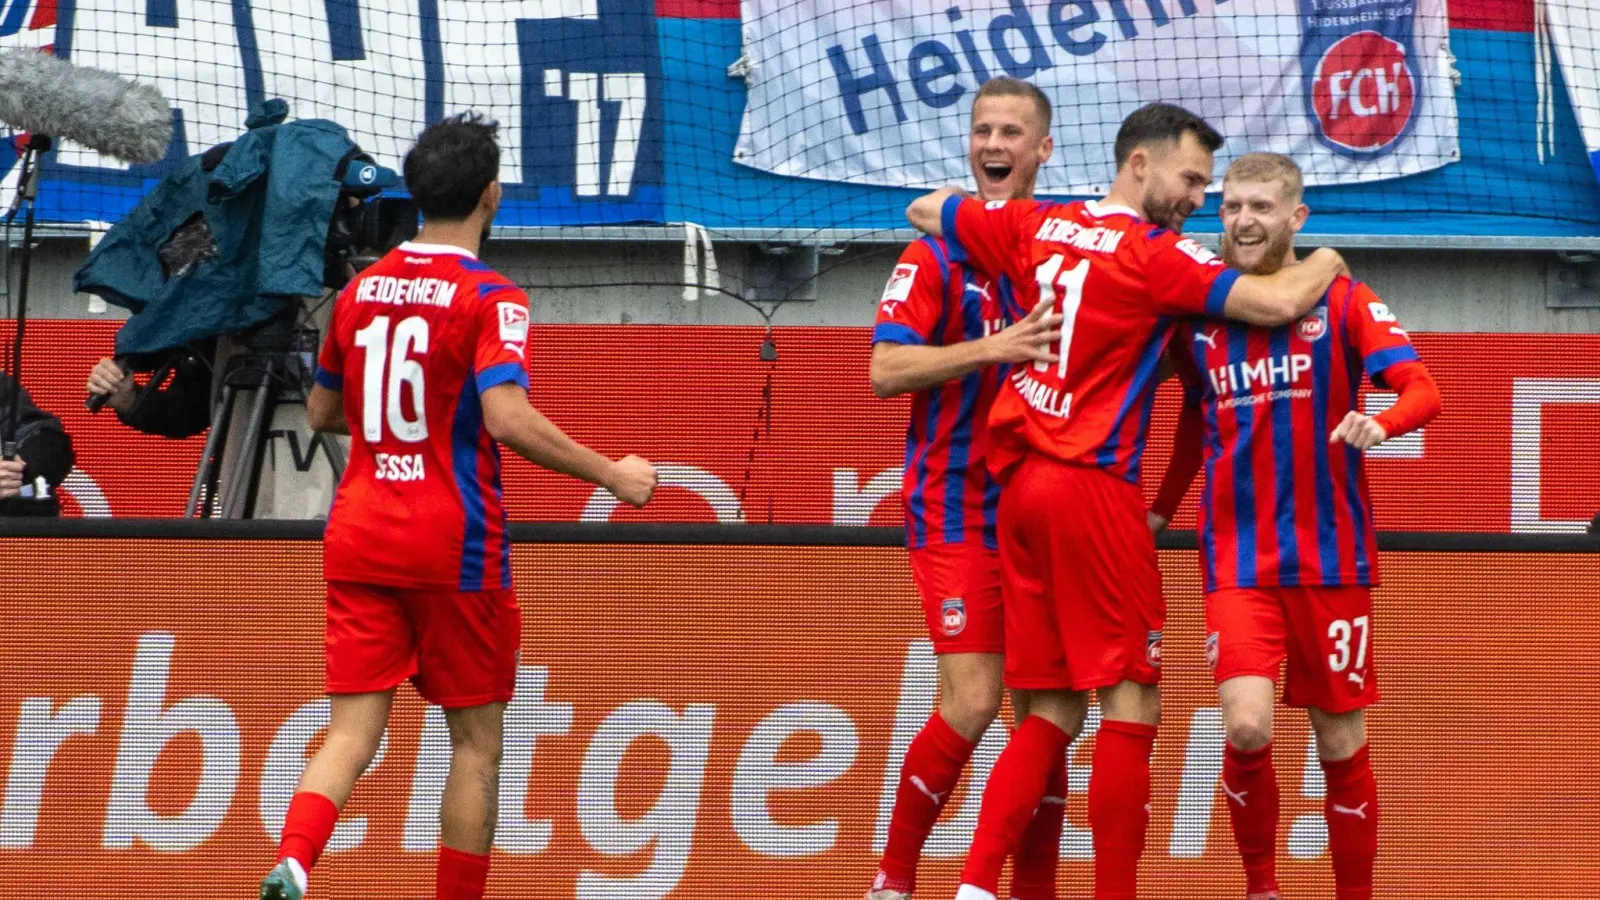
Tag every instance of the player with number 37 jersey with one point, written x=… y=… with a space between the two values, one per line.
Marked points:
x=1082 y=593
x=413 y=343
x=1287 y=544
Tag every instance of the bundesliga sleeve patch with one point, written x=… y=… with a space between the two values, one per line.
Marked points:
x=899 y=286
x=513 y=322
x=1196 y=252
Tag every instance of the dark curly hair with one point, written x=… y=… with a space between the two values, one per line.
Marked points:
x=453 y=161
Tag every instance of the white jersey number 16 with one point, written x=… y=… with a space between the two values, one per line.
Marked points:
x=380 y=401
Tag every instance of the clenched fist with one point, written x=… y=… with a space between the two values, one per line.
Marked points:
x=633 y=480
x=1359 y=431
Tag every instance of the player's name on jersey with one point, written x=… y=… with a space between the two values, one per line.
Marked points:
x=401 y=291
x=399 y=467
x=1042 y=397
x=1098 y=239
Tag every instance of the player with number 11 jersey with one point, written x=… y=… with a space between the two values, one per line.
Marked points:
x=1082 y=593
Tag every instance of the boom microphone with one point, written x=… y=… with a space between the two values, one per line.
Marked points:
x=98 y=109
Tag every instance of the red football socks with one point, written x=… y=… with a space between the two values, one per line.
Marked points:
x=1250 y=788
x=1016 y=784
x=306 y=828
x=1351 y=807
x=1119 y=806
x=460 y=875
x=1033 y=869
x=932 y=767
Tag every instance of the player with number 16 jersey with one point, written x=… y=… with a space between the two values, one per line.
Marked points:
x=424 y=367
x=413 y=342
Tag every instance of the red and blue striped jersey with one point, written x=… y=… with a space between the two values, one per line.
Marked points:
x=1281 y=506
x=414 y=340
x=1117 y=282
x=947 y=492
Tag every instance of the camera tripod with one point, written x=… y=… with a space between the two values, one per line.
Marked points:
x=276 y=374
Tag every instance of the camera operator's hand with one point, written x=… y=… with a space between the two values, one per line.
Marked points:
x=108 y=378
x=10 y=478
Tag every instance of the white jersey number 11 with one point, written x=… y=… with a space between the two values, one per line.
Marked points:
x=1050 y=277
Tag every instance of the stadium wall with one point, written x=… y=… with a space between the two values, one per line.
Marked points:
x=692 y=719
x=801 y=440
x=610 y=282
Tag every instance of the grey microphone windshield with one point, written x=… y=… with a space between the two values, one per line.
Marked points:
x=98 y=109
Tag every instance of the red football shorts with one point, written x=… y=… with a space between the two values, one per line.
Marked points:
x=1324 y=632
x=960 y=588
x=458 y=647
x=1083 y=605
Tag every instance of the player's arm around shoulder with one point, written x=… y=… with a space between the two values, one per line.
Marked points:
x=926 y=213
x=1285 y=295
x=1391 y=361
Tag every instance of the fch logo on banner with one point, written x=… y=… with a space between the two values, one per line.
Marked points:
x=1361 y=83
x=1363 y=92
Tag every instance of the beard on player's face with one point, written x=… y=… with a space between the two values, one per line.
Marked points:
x=1162 y=209
x=488 y=223
x=1257 y=248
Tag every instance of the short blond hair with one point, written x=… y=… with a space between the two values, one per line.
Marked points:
x=1260 y=167
x=1006 y=86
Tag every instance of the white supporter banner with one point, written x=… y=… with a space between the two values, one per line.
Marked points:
x=866 y=91
x=1573 y=35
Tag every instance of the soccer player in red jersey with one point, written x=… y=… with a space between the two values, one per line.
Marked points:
x=1286 y=537
x=425 y=367
x=1083 y=606
x=942 y=335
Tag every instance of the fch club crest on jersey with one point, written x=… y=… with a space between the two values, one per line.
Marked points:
x=1314 y=325
x=953 y=616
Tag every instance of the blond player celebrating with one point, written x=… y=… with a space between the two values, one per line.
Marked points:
x=1287 y=545
x=942 y=336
